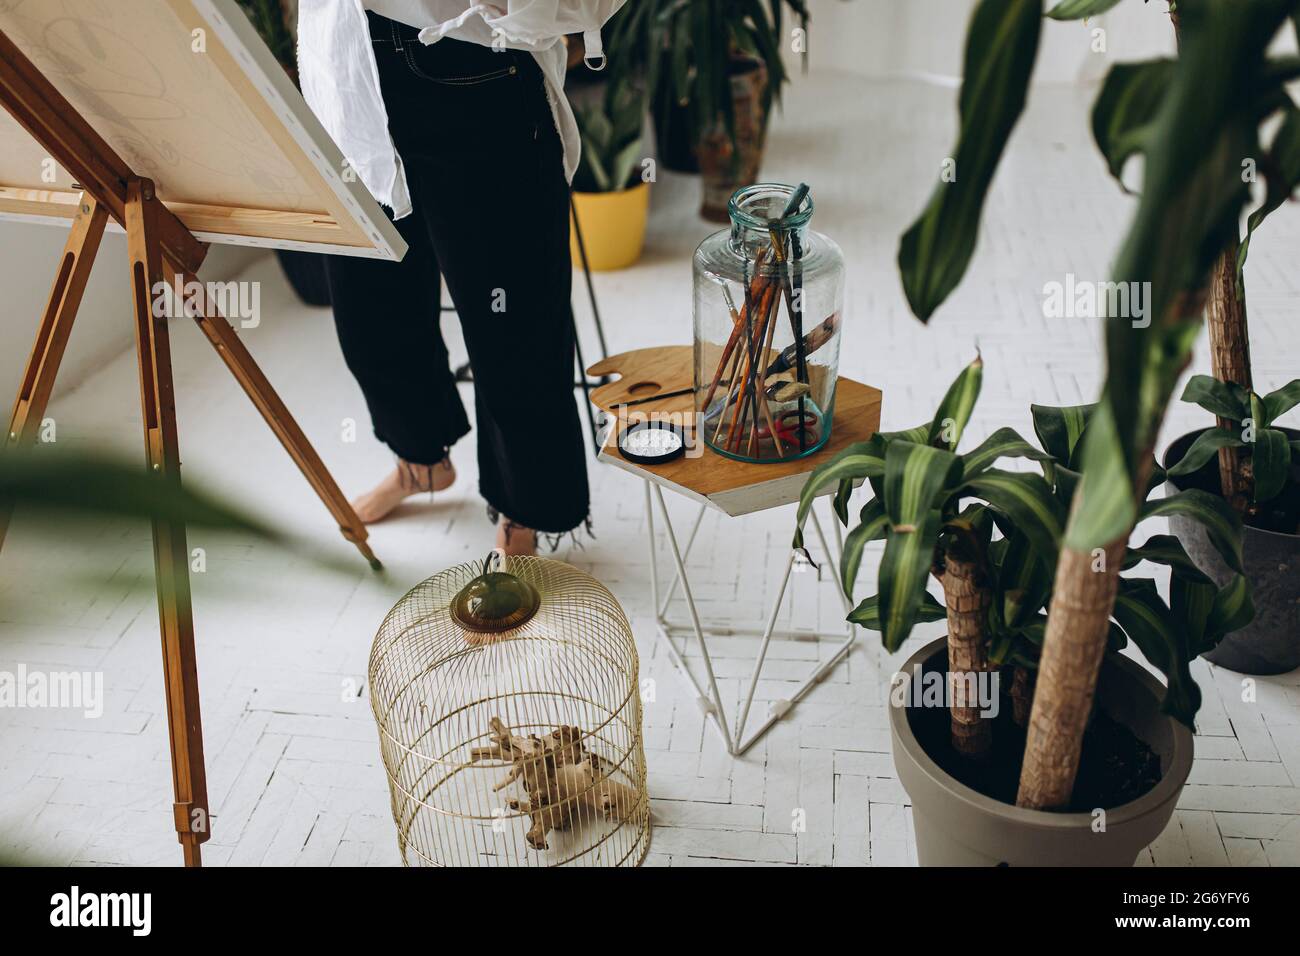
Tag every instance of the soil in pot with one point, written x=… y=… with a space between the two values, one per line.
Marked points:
x=1115 y=766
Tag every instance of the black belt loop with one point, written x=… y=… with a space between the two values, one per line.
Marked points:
x=397 y=36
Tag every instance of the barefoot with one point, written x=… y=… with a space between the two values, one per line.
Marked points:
x=405 y=480
x=514 y=539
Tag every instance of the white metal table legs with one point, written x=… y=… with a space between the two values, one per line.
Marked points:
x=708 y=695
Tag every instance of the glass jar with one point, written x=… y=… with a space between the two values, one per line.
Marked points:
x=768 y=299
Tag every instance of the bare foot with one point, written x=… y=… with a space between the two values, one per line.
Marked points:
x=405 y=480
x=514 y=539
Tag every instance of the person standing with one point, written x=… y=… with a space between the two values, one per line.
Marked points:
x=454 y=116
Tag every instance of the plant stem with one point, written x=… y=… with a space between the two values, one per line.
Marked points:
x=1077 y=625
x=1225 y=313
x=967 y=598
x=1022 y=695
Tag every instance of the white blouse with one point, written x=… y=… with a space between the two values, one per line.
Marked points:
x=340 y=78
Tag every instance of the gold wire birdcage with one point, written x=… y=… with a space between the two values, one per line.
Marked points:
x=509 y=716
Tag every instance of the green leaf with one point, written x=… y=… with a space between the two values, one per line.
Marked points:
x=1211 y=512
x=862 y=459
x=915 y=476
x=904 y=570
x=1027 y=500
x=624 y=166
x=1003 y=443
x=1024 y=581
x=1067 y=481
x=974 y=527
x=1165 y=549
x=1001 y=44
x=1104 y=508
x=1270 y=460
x=916 y=434
x=1192 y=195
x=955 y=410
x=872 y=525
x=1205 y=447
x=840 y=504
x=1060 y=428
x=1282 y=170
x=1278 y=403
x=1191 y=602
x=867 y=614
x=1217 y=398
x=1205 y=613
x=1147 y=621
x=1128 y=102
x=1079 y=9
x=1232 y=610
x=81 y=485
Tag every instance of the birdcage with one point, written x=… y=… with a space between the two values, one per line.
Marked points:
x=509 y=716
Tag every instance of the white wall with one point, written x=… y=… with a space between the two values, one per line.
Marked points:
x=29 y=255
x=923 y=38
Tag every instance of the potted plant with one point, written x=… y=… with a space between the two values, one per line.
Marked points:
x=611 y=190
x=273 y=21
x=1265 y=476
x=960 y=705
x=1246 y=458
x=713 y=68
x=1193 y=133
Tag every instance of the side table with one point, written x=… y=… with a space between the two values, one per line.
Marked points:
x=656 y=382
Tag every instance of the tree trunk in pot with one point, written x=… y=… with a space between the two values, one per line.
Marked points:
x=956 y=826
x=1230 y=362
x=968 y=602
x=1078 y=622
x=1022 y=695
x=727 y=164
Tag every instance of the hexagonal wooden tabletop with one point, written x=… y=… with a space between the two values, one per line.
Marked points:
x=732 y=487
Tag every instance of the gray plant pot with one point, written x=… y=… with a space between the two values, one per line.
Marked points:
x=958 y=826
x=1270 y=644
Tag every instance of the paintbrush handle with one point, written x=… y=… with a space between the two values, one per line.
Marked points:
x=814 y=340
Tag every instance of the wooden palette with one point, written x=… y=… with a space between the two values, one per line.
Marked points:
x=732 y=487
x=189 y=96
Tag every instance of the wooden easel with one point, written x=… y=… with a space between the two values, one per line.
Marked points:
x=160 y=248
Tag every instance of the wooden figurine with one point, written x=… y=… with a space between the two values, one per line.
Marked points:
x=560 y=776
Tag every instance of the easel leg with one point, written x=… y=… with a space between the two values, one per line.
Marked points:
x=263 y=395
x=56 y=325
x=171 y=554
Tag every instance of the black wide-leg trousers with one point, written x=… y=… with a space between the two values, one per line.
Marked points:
x=485 y=169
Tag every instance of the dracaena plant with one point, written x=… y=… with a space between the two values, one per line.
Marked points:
x=688 y=45
x=1273 y=458
x=991 y=538
x=1193 y=128
x=610 y=129
x=1130 y=99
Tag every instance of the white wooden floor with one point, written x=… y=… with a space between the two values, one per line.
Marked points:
x=292 y=752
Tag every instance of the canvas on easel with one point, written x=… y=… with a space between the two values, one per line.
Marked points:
x=171 y=121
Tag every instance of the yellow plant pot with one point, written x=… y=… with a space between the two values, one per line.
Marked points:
x=613 y=227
